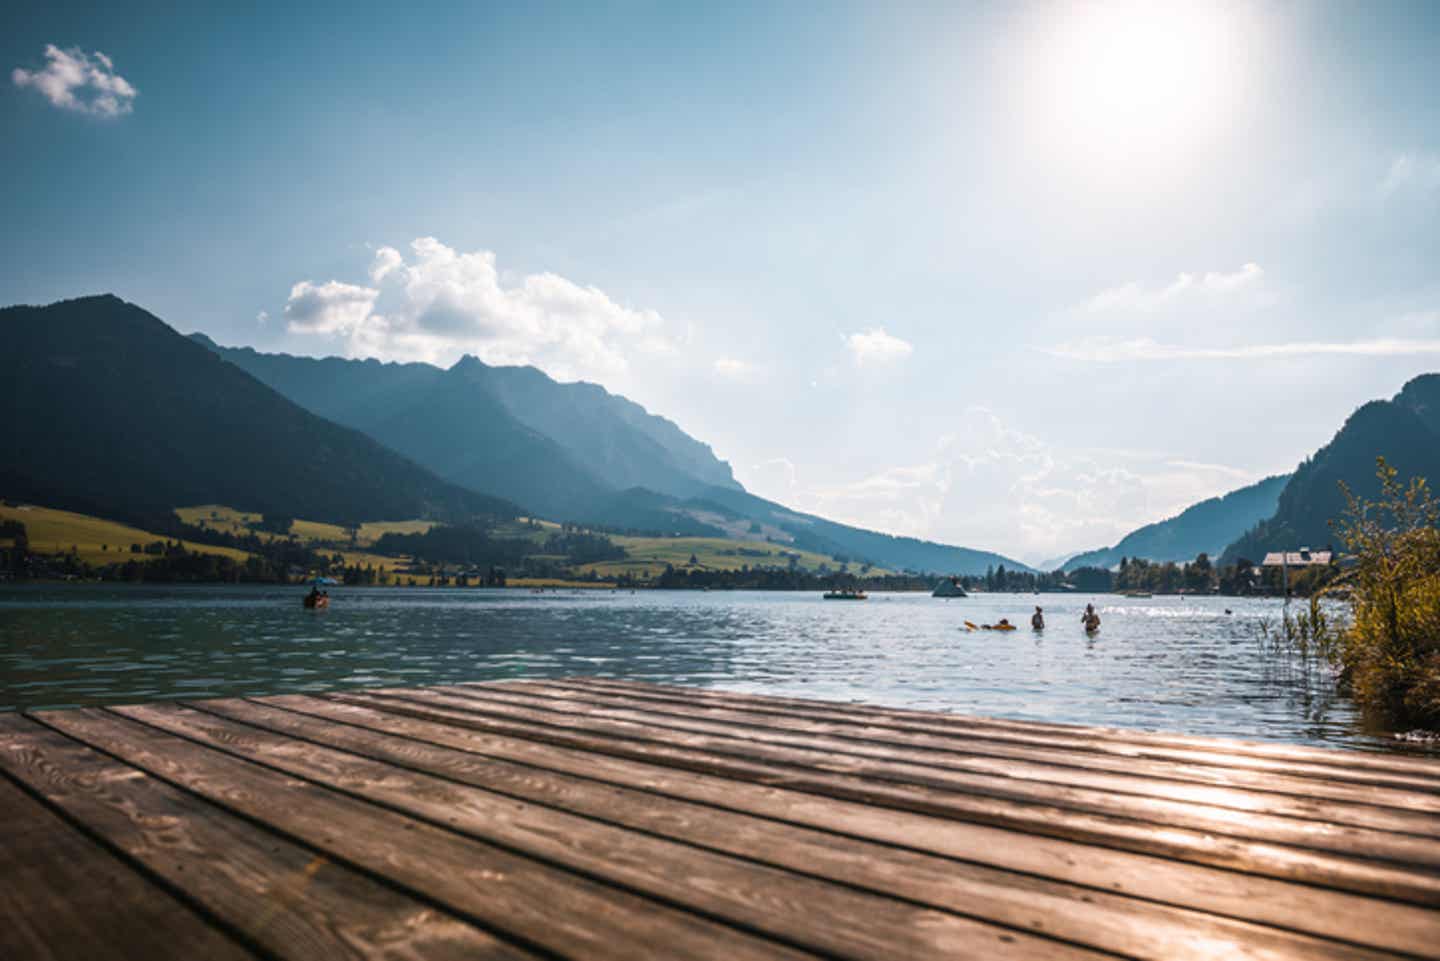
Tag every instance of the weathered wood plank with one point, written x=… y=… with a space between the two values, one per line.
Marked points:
x=826 y=754
x=1086 y=916
x=590 y=818
x=796 y=909
x=526 y=900
x=1362 y=766
x=707 y=753
x=919 y=733
x=281 y=897
x=64 y=897
x=1362 y=807
x=1398 y=927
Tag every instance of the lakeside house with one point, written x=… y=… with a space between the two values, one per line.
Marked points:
x=1304 y=557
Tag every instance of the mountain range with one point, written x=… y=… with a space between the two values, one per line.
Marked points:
x=1207 y=527
x=114 y=413
x=1296 y=510
x=570 y=452
x=563 y=450
x=1405 y=430
x=110 y=411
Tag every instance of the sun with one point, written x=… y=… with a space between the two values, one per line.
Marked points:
x=1121 y=82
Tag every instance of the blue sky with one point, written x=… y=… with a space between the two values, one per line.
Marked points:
x=1020 y=277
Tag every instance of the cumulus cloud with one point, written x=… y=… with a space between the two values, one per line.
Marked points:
x=1114 y=350
x=990 y=485
x=74 y=80
x=876 y=348
x=329 y=308
x=1185 y=287
x=387 y=261
x=438 y=303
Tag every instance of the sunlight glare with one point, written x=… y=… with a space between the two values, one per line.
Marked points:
x=1124 y=82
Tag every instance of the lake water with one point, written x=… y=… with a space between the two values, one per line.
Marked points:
x=1168 y=664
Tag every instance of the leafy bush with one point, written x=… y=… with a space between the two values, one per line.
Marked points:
x=1389 y=648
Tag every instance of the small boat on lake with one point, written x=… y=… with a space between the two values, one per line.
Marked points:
x=949 y=587
x=846 y=594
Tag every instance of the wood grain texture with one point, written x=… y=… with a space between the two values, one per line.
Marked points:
x=582 y=818
x=1086 y=916
x=281 y=897
x=930 y=793
x=530 y=901
x=1126 y=794
x=64 y=897
x=1279 y=793
x=791 y=908
x=1399 y=927
x=1360 y=766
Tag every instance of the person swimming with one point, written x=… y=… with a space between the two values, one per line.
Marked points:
x=1037 y=620
x=1090 y=619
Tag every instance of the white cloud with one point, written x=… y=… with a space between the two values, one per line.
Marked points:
x=1247 y=275
x=1133 y=296
x=1114 y=350
x=988 y=485
x=329 y=308
x=441 y=303
x=74 y=80
x=1412 y=171
x=875 y=347
x=731 y=368
x=387 y=261
x=262 y=318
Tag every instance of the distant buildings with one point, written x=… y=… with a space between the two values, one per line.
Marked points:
x=1304 y=557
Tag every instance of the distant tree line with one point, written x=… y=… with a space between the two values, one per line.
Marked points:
x=583 y=547
x=1200 y=576
x=474 y=547
x=462 y=544
x=781 y=579
x=159 y=562
x=14 y=549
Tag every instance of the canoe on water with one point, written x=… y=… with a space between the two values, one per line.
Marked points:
x=316 y=603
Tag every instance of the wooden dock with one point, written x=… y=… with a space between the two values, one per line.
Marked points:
x=607 y=820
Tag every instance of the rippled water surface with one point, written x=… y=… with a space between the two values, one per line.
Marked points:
x=1164 y=664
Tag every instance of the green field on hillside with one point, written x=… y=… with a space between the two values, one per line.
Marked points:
x=221 y=518
x=102 y=542
x=96 y=540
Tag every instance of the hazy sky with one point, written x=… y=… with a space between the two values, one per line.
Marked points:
x=1018 y=277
